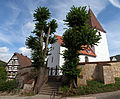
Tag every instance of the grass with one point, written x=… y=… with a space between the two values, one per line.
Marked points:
x=27 y=94
x=92 y=87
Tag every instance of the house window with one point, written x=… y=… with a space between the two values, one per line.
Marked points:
x=13 y=61
x=9 y=67
x=52 y=60
x=86 y=59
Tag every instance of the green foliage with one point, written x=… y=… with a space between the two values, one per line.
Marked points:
x=28 y=94
x=92 y=87
x=8 y=85
x=3 y=74
x=44 y=35
x=78 y=16
x=2 y=63
x=76 y=38
x=117 y=57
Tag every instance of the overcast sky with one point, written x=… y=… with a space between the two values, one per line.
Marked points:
x=16 y=21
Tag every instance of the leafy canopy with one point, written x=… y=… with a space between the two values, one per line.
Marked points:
x=76 y=38
x=43 y=36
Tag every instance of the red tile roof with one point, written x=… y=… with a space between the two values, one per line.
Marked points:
x=94 y=22
x=23 y=60
x=29 y=81
x=87 y=51
x=59 y=39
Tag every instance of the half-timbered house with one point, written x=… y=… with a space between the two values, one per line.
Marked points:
x=16 y=62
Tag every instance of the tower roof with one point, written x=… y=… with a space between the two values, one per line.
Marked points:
x=94 y=22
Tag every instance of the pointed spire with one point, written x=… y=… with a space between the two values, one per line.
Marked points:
x=94 y=22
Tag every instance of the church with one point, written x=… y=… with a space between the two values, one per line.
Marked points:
x=96 y=53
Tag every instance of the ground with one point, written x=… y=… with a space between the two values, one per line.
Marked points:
x=107 y=95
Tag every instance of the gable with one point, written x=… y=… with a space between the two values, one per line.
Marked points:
x=20 y=59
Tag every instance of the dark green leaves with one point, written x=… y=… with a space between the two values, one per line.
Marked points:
x=78 y=16
x=44 y=35
x=41 y=14
x=78 y=34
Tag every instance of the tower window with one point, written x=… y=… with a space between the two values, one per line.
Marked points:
x=52 y=60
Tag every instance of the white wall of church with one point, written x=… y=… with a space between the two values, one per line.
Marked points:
x=53 y=59
x=61 y=56
x=101 y=51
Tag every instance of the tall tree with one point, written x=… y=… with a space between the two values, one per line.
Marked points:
x=44 y=35
x=76 y=38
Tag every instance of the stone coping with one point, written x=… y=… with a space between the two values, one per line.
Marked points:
x=83 y=63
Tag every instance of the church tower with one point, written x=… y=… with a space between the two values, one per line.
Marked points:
x=101 y=51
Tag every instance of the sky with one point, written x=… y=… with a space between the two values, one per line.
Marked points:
x=16 y=22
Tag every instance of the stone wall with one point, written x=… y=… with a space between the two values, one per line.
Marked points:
x=101 y=71
x=24 y=74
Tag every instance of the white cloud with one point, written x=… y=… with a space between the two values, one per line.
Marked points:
x=5 y=57
x=29 y=25
x=27 y=29
x=4 y=49
x=62 y=7
x=4 y=54
x=116 y=3
x=25 y=51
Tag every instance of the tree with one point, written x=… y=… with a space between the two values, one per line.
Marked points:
x=3 y=74
x=77 y=37
x=2 y=63
x=44 y=35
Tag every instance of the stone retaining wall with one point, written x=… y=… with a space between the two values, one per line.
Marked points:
x=101 y=71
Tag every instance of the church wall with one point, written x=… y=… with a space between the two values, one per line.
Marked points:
x=53 y=59
x=101 y=71
x=61 y=56
x=101 y=51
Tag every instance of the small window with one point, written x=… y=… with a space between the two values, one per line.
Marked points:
x=13 y=61
x=99 y=33
x=86 y=59
x=52 y=60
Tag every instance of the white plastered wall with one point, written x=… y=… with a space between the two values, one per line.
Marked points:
x=101 y=51
x=55 y=50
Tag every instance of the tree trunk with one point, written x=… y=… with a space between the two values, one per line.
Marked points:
x=41 y=39
x=42 y=72
x=73 y=83
x=46 y=44
x=41 y=79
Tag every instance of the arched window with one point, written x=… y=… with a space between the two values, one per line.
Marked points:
x=99 y=33
x=86 y=59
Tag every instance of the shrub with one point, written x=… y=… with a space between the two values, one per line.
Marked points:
x=28 y=94
x=3 y=74
x=92 y=88
x=8 y=85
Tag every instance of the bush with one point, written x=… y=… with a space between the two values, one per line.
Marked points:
x=8 y=85
x=3 y=74
x=92 y=88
